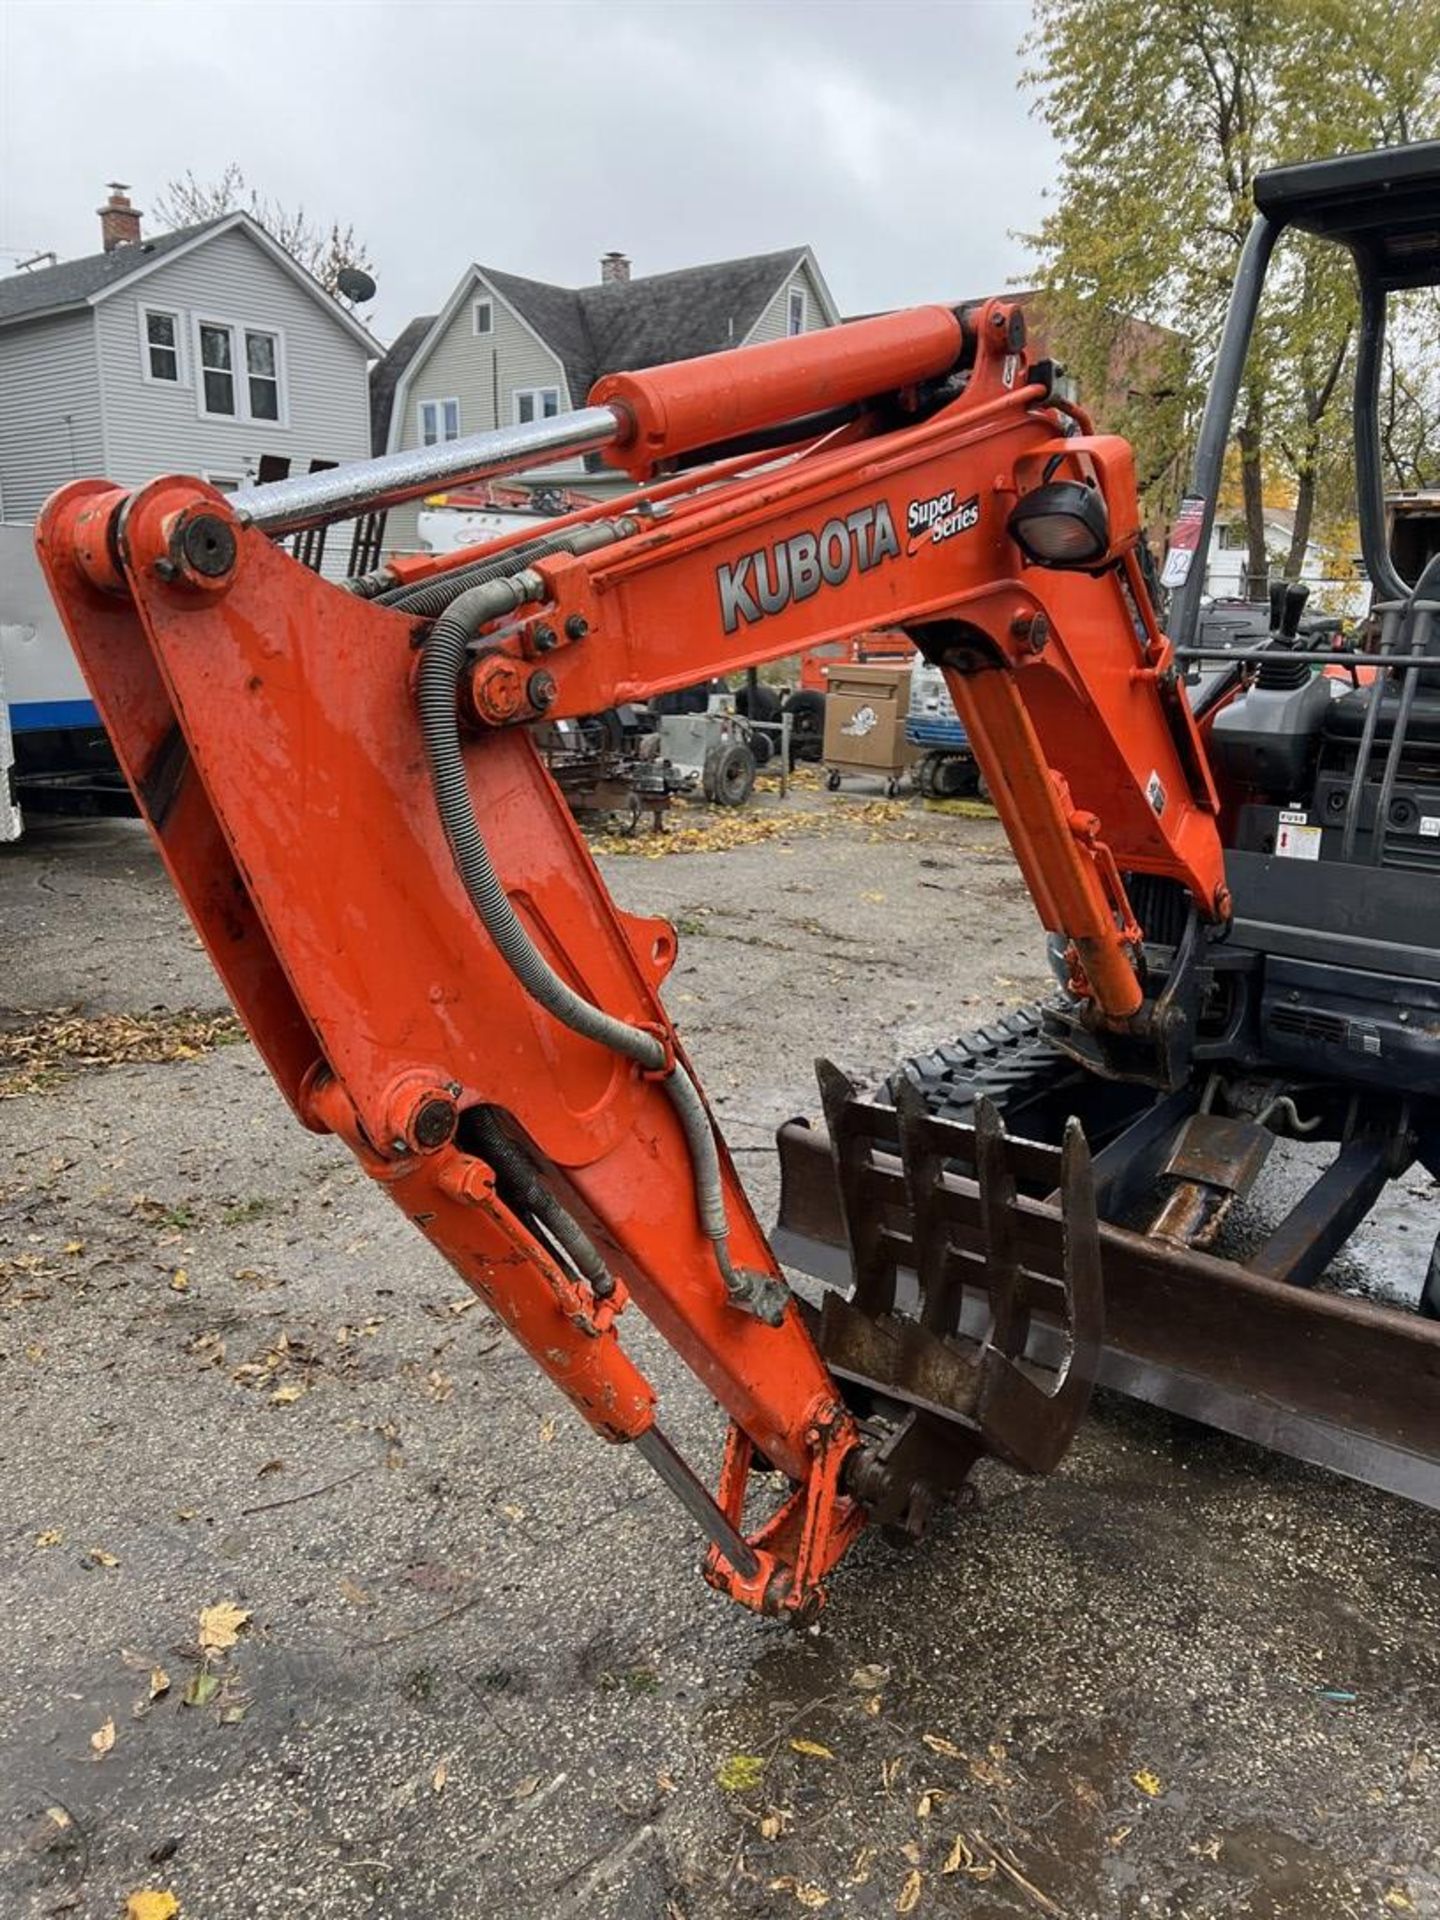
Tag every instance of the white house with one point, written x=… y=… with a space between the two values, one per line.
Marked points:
x=1332 y=589
x=206 y=351
x=505 y=350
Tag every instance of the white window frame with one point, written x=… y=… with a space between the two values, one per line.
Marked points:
x=536 y=395
x=143 y=313
x=226 y=481
x=792 y=295
x=441 y=437
x=489 y=305
x=240 y=370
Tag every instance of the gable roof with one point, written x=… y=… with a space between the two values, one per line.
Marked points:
x=615 y=326
x=94 y=277
x=385 y=377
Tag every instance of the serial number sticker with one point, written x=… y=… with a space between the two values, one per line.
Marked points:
x=1295 y=839
x=1430 y=825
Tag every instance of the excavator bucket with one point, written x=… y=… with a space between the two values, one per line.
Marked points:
x=965 y=1268
x=936 y=1326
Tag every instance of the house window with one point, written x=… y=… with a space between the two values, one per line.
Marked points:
x=262 y=370
x=439 y=420
x=217 y=369
x=484 y=317
x=225 y=482
x=160 y=336
x=1233 y=537
x=241 y=372
x=795 y=322
x=536 y=403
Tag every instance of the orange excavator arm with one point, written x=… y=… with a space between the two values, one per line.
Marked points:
x=347 y=798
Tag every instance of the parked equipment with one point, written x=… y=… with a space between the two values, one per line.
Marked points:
x=946 y=768
x=423 y=950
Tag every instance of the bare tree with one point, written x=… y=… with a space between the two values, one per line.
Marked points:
x=325 y=251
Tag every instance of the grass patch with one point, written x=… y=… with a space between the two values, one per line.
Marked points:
x=243 y=1210
x=42 y=1050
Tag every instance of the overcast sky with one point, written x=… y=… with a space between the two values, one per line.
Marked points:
x=890 y=137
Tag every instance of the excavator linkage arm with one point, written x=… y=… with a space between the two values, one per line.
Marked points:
x=347 y=799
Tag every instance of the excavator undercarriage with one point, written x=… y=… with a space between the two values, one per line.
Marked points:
x=343 y=785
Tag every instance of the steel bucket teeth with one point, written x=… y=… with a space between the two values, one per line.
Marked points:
x=935 y=1360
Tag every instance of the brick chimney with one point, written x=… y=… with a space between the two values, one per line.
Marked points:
x=119 y=221
x=614 y=269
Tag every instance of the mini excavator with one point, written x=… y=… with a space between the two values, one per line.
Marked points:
x=1237 y=870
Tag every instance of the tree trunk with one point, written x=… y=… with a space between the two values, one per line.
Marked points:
x=1253 y=489
x=1304 y=515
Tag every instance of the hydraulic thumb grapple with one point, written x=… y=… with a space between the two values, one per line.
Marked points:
x=342 y=783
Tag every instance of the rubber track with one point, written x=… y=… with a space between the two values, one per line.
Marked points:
x=1010 y=1060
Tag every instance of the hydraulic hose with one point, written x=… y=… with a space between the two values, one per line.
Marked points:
x=441 y=663
x=515 y=1169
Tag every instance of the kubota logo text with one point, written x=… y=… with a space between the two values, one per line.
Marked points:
x=768 y=580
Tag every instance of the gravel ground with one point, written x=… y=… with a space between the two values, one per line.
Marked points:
x=480 y=1673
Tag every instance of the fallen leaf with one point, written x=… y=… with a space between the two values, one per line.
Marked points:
x=1398 y=1900
x=523 y=1789
x=937 y=1743
x=928 y=1801
x=813 y=1748
x=220 y=1626
x=58 y=1817
x=872 y=1705
x=771 y=1826
x=439 y=1777
x=202 y=1689
x=861 y=1865
x=808 y=1895
x=356 y=1595
x=151 y=1905
x=236 y=1710
x=911 y=1853
x=547 y=1429
x=960 y=1857
x=74 y=1246
x=288 y=1395
x=867 y=1679
x=740 y=1773
x=1148 y=1783
x=98 y=1557
x=159 y=1682
x=51 y=1537
x=103 y=1738
x=910 y=1893
x=180 y=1281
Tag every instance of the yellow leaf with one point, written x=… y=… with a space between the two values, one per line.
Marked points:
x=808 y=1895
x=547 y=1429
x=1398 y=1900
x=101 y=1558
x=813 y=1748
x=51 y=1537
x=1148 y=1783
x=928 y=1802
x=867 y=1679
x=740 y=1773
x=960 y=1858
x=439 y=1777
x=937 y=1743
x=770 y=1826
x=220 y=1626
x=180 y=1281
x=286 y=1396
x=74 y=1246
x=103 y=1738
x=151 y=1905
x=58 y=1817
x=512 y=1512
x=159 y=1682
x=910 y=1892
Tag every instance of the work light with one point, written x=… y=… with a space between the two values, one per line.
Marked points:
x=1063 y=524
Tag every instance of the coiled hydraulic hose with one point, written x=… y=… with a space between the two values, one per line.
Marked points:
x=441 y=664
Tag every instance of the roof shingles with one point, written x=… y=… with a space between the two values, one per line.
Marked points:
x=24 y=295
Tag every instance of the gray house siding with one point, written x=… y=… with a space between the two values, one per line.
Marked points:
x=50 y=428
x=774 y=323
x=154 y=427
x=483 y=372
